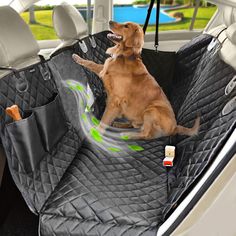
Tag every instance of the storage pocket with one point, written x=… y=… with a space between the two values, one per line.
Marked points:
x=25 y=138
x=51 y=122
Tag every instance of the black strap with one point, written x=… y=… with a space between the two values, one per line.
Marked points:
x=157 y=24
x=157 y=20
x=148 y=16
x=15 y=71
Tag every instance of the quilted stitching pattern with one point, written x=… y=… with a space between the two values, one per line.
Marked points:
x=57 y=225
x=92 y=208
x=194 y=154
x=97 y=55
x=122 y=188
x=190 y=60
x=37 y=186
x=39 y=92
x=81 y=190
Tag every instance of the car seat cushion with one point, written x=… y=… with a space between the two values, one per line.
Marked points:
x=129 y=189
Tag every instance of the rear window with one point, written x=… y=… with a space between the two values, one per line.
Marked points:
x=174 y=15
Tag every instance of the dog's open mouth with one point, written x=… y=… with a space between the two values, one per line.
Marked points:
x=114 y=37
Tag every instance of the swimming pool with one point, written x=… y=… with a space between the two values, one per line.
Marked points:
x=138 y=15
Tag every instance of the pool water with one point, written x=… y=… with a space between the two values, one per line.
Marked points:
x=138 y=15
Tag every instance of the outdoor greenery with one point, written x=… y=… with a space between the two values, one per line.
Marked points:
x=44 y=28
x=173 y=2
x=141 y=2
x=203 y=16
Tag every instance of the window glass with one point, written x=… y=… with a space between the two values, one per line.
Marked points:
x=40 y=21
x=174 y=15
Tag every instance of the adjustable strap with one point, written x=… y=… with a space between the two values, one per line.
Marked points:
x=215 y=40
x=44 y=69
x=157 y=24
x=7 y=68
x=16 y=72
x=148 y=16
x=157 y=20
x=21 y=82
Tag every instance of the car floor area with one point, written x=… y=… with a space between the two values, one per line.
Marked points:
x=16 y=219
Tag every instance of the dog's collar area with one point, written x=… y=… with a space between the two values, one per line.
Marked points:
x=132 y=57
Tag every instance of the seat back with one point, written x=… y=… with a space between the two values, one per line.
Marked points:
x=42 y=140
x=205 y=89
x=228 y=50
x=68 y=24
x=88 y=47
x=224 y=17
x=18 y=47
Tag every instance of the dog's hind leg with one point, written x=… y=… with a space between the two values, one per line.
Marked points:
x=149 y=129
x=94 y=67
x=123 y=125
x=112 y=111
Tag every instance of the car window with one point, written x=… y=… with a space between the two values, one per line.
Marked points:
x=40 y=21
x=174 y=15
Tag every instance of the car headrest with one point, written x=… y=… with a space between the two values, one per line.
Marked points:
x=229 y=15
x=228 y=49
x=231 y=33
x=68 y=23
x=16 y=40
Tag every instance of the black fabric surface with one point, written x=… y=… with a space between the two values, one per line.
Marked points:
x=122 y=189
x=35 y=186
x=15 y=217
x=161 y=66
x=78 y=189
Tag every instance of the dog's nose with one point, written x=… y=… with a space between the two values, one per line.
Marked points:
x=111 y=23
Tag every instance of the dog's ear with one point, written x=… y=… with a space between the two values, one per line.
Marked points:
x=135 y=41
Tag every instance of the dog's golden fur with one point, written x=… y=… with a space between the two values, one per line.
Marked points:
x=132 y=92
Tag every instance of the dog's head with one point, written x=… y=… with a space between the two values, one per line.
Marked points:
x=129 y=35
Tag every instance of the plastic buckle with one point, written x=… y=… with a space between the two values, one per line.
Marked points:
x=169 y=156
x=230 y=86
x=83 y=46
x=229 y=107
x=21 y=82
x=212 y=44
x=45 y=72
x=92 y=41
x=156 y=47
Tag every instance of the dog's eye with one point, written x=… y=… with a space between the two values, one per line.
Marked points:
x=126 y=26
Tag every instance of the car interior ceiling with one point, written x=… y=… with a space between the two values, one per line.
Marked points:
x=69 y=187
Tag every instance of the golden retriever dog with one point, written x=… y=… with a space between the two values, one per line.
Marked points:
x=131 y=91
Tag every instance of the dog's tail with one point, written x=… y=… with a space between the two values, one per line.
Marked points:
x=189 y=131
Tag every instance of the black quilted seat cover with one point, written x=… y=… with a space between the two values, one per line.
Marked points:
x=63 y=63
x=124 y=193
x=206 y=96
x=105 y=202
x=36 y=186
x=78 y=189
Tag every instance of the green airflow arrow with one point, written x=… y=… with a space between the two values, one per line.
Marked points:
x=135 y=148
x=96 y=135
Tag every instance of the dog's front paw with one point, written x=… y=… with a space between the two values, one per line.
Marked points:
x=111 y=51
x=101 y=129
x=77 y=59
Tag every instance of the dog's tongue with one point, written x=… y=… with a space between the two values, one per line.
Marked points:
x=114 y=37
